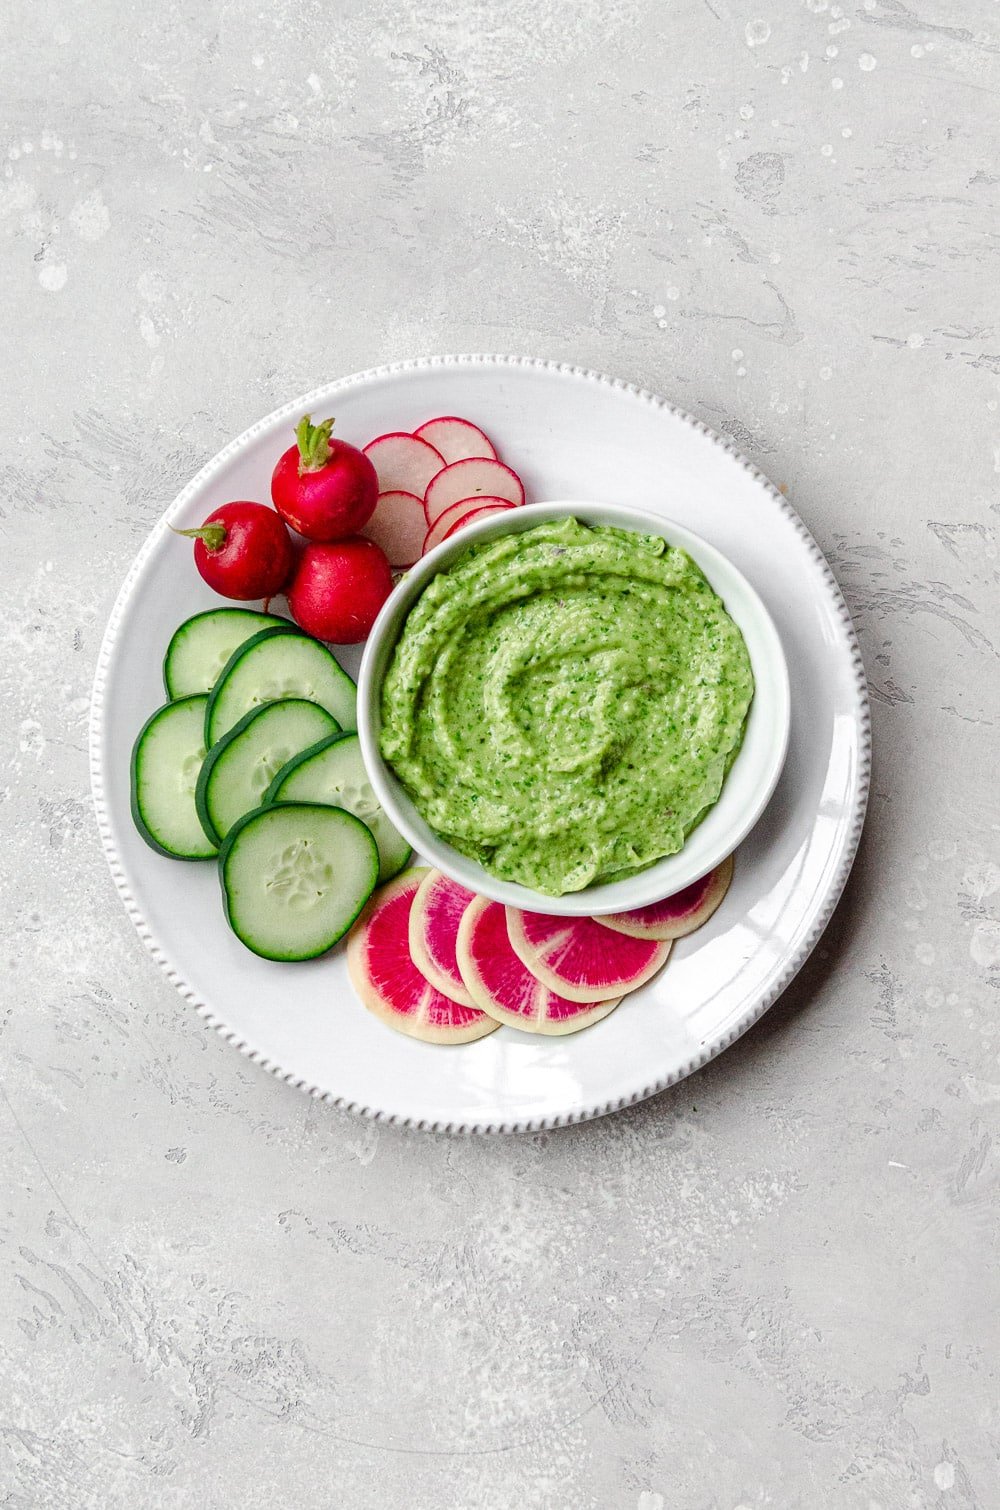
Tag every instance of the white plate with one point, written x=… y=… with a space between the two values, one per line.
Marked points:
x=570 y=434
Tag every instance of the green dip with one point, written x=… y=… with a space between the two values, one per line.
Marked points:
x=563 y=705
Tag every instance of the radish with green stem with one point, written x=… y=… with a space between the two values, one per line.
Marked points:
x=324 y=487
x=243 y=551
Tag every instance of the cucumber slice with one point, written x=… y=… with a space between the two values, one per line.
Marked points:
x=333 y=771
x=201 y=646
x=295 y=876
x=275 y=664
x=238 y=770
x=166 y=759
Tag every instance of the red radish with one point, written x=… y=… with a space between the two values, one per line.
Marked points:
x=338 y=589
x=456 y=439
x=434 y=919
x=461 y=513
x=477 y=477
x=579 y=958
x=404 y=463
x=325 y=488
x=505 y=988
x=243 y=551
x=675 y=916
x=389 y=983
x=398 y=525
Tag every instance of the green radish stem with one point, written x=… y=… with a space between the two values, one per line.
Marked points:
x=212 y=536
x=314 y=444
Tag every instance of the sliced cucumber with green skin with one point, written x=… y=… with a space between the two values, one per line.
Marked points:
x=279 y=663
x=294 y=877
x=333 y=771
x=166 y=760
x=201 y=646
x=241 y=766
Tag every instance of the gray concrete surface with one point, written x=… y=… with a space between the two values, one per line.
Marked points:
x=773 y=1287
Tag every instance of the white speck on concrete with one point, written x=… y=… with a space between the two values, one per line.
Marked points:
x=984 y=945
x=52 y=276
x=866 y=62
x=757 y=32
x=90 y=217
x=944 y=1476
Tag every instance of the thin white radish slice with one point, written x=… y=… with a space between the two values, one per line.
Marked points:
x=476 y=477
x=398 y=525
x=404 y=463
x=456 y=439
x=484 y=509
x=461 y=513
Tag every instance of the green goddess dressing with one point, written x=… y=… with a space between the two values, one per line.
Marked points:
x=563 y=705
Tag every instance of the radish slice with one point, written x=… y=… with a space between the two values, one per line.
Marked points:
x=456 y=439
x=434 y=918
x=462 y=513
x=579 y=958
x=675 y=916
x=477 y=477
x=404 y=463
x=389 y=983
x=398 y=525
x=481 y=512
x=502 y=985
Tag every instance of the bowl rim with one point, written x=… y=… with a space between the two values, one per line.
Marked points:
x=646 y=886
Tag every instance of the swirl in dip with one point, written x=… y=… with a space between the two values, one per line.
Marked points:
x=563 y=705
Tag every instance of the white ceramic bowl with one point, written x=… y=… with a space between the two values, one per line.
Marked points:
x=747 y=788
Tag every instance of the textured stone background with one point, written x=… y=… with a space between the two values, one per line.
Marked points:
x=773 y=1287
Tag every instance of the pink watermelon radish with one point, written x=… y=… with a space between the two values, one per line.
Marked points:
x=573 y=955
x=434 y=918
x=389 y=983
x=478 y=477
x=456 y=439
x=675 y=916
x=403 y=463
x=461 y=513
x=502 y=985
x=398 y=525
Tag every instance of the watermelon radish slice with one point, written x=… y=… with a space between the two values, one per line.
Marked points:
x=404 y=463
x=573 y=955
x=461 y=513
x=479 y=477
x=398 y=525
x=434 y=918
x=456 y=439
x=675 y=916
x=389 y=983
x=505 y=988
